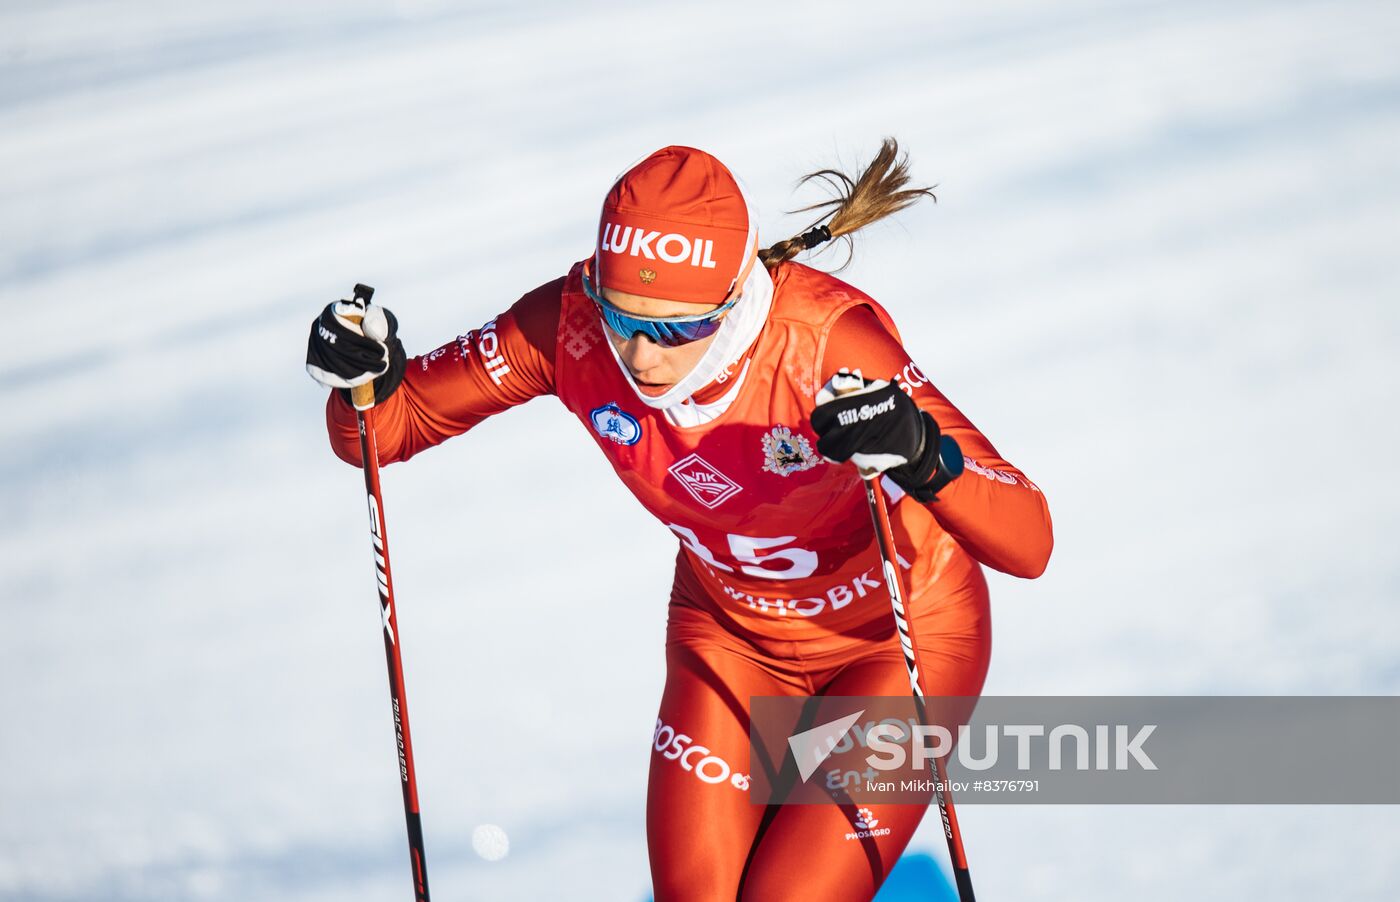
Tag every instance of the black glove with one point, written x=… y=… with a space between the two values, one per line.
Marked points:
x=341 y=353
x=880 y=429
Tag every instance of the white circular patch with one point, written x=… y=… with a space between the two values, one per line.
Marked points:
x=490 y=842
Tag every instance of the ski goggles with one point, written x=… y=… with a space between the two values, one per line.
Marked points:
x=667 y=331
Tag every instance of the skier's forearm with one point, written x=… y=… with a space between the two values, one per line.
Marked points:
x=415 y=417
x=342 y=428
x=449 y=390
x=999 y=517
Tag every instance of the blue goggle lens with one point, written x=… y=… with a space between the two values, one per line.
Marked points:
x=668 y=331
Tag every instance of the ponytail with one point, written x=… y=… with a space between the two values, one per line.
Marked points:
x=878 y=192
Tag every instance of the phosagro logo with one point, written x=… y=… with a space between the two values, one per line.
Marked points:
x=672 y=247
x=866 y=825
x=865 y=412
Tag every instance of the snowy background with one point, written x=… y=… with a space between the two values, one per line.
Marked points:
x=1162 y=275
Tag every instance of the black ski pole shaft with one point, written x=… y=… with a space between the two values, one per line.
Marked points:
x=884 y=539
x=950 y=467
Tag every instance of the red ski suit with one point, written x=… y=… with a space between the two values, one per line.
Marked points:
x=778 y=587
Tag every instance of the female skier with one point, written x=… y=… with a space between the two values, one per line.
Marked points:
x=697 y=361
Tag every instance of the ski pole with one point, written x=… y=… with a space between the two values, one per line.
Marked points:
x=362 y=397
x=884 y=537
x=951 y=465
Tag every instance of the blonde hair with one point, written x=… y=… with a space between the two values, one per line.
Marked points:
x=879 y=191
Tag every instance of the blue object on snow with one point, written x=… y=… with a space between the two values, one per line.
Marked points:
x=917 y=877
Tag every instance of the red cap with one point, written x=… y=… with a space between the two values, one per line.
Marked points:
x=675 y=226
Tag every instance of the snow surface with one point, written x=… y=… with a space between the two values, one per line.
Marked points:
x=1161 y=275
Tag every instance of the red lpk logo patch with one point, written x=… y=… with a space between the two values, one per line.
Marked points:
x=704 y=483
